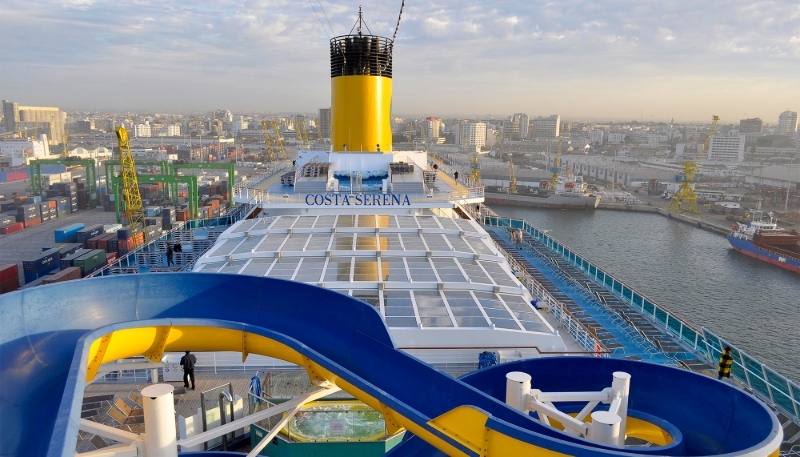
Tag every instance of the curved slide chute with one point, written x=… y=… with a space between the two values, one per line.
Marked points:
x=53 y=337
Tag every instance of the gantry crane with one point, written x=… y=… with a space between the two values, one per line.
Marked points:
x=278 y=140
x=130 y=186
x=512 y=178
x=300 y=128
x=268 y=141
x=556 y=168
x=476 y=168
x=685 y=192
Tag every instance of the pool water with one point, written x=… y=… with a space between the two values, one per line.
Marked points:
x=336 y=421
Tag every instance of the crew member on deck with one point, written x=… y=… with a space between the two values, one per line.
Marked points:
x=725 y=363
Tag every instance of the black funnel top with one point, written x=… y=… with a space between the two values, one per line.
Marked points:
x=359 y=54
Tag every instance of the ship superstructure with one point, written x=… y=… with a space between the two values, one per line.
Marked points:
x=761 y=238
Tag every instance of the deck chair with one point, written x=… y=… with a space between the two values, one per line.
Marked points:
x=127 y=410
x=123 y=419
x=98 y=442
x=136 y=398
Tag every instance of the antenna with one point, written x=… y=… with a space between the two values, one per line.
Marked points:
x=402 y=4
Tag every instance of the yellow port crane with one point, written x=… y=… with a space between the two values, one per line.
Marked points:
x=476 y=168
x=268 y=141
x=556 y=169
x=512 y=178
x=65 y=151
x=278 y=140
x=685 y=193
x=130 y=186
x=300 y=128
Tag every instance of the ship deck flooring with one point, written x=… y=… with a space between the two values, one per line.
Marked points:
x=619 y=326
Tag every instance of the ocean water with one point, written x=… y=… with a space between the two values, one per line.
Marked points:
x=693 y=273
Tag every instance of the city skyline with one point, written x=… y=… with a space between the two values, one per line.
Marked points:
x=623 y=61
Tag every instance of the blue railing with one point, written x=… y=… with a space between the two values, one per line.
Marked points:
x=764 y=381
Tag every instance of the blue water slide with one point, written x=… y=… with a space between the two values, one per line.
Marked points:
x=45 y=333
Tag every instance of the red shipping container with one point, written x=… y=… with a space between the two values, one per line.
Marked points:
x=50 y=203
x=91 y=243
x=33 y=222
x=102 y=243
x=22 y=200
x=9 y=285
x=111 y=257
x=8 y=271
x=16 y=227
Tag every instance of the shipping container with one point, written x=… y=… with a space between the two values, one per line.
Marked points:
x=91 y=243
x=63 y=275
x=111 y=228
x=13 y=175
x=41 y=261
x=88 y=232
x=9 y=285
x=7 y=205
x=68 y=233
x=66 y=262
x=7 y=220
x=13 y=228
x=32 y=222
x=9 y=271
x=69 y=249
x=102 y=243
x=33 y=283
x=90 y=262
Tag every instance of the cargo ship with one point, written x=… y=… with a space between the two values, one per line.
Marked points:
x=570 y=192
x=764 y=240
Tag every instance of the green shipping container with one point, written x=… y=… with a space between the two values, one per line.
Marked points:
x=91 y=261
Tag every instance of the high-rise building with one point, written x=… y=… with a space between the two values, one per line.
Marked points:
x=787 y=123
x=524 y=126
x=516 y=127
x=431 y=127
x=546 y=127
x=596 y=137
x=471 y=134
x=726 y=148
x=35 y=120
x=754 y=125
x=143 y=130
x=324 y=123
x=85 y=126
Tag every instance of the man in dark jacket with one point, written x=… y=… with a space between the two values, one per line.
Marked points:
x=187 y=362
x=725 y=363
x=169 y=254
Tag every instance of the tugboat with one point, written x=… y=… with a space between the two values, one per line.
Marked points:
x=765 y=241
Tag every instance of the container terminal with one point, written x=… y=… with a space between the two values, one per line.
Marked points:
x=370 y=278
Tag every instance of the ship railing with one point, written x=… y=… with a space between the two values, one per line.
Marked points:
x=784 y=394
x=580 y=333
x=761 y=380
x=242 y=187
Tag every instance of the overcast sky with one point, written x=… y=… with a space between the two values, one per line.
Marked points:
x=617 y=59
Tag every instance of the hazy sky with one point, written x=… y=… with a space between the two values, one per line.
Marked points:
x=618 y=59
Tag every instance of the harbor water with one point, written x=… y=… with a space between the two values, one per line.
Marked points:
x=693 y=273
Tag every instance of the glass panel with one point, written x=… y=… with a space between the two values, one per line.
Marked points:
x=258 y=267
x=407 y=222
x=661 y=316
x=233 y=267
x=395 y=322
x=338 y=269
x=305 y=222
x=225 y=248
x=420 y=270
x=398 y=303
x=427 y=222
x=366 y=221
x=474 y=271
x=346 y=221
x=505 y=323
x=393 y=269
x=366 y=270
x=534 y=326
x=479 y=246
x=412 y=242
x=272 y=243
x=459 y=244
x=296 y=242
x=637 y=299
x=319 y=242
x=436 y=242
x=310 y=270
x=465 y=225
x=284 y=222
x=447 y=223
x=284 y=268
x=475 y=321
x=496 y=272
x=213 y=267
x=436 y=321
x=390 y=241
x=369 y=296
x=343 y=241
x=325 y=222
x=448 y=270
x=392 y=222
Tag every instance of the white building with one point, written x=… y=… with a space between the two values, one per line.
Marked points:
x=726 y=148
x=787 y=123
x=616 y=138
x=431 y=127
x=173 y=130
x=524 y=126
x=471 y=134
x=546 y=127
x=143 y=130
x=238 y=126
x=596 y=137
x=17 y=151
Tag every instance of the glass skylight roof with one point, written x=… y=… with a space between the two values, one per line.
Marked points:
x=417 y=271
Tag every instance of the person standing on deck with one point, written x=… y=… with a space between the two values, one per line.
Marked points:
x=455 y=175
x=187 y=362
x=169 y=254
x=725 y=363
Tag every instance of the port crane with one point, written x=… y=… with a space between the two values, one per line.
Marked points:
x=685 y=193
x=556 y=168
x=130 y=186
x=300 y=128
x=278 y=140
x=476 y=168
x=268 y=141
x=512 y=178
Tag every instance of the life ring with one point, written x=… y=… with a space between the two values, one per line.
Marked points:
x=597 y=349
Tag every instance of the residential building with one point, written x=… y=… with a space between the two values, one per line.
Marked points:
x=85 y=126
x=596 y=137
x=754 y=125
x=431 y=127
x=324 y=123
x=787 y=123
x=524 y=126
x=546 y=127
x=471 y=134
x=142 y=130
x=616 y=138
x=726 y=148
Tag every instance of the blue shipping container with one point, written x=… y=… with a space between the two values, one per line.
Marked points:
x=31 y=276
x=66 y=262
x=53 y=169
x=43 y=261
x=67 y=234
x=89 y=233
